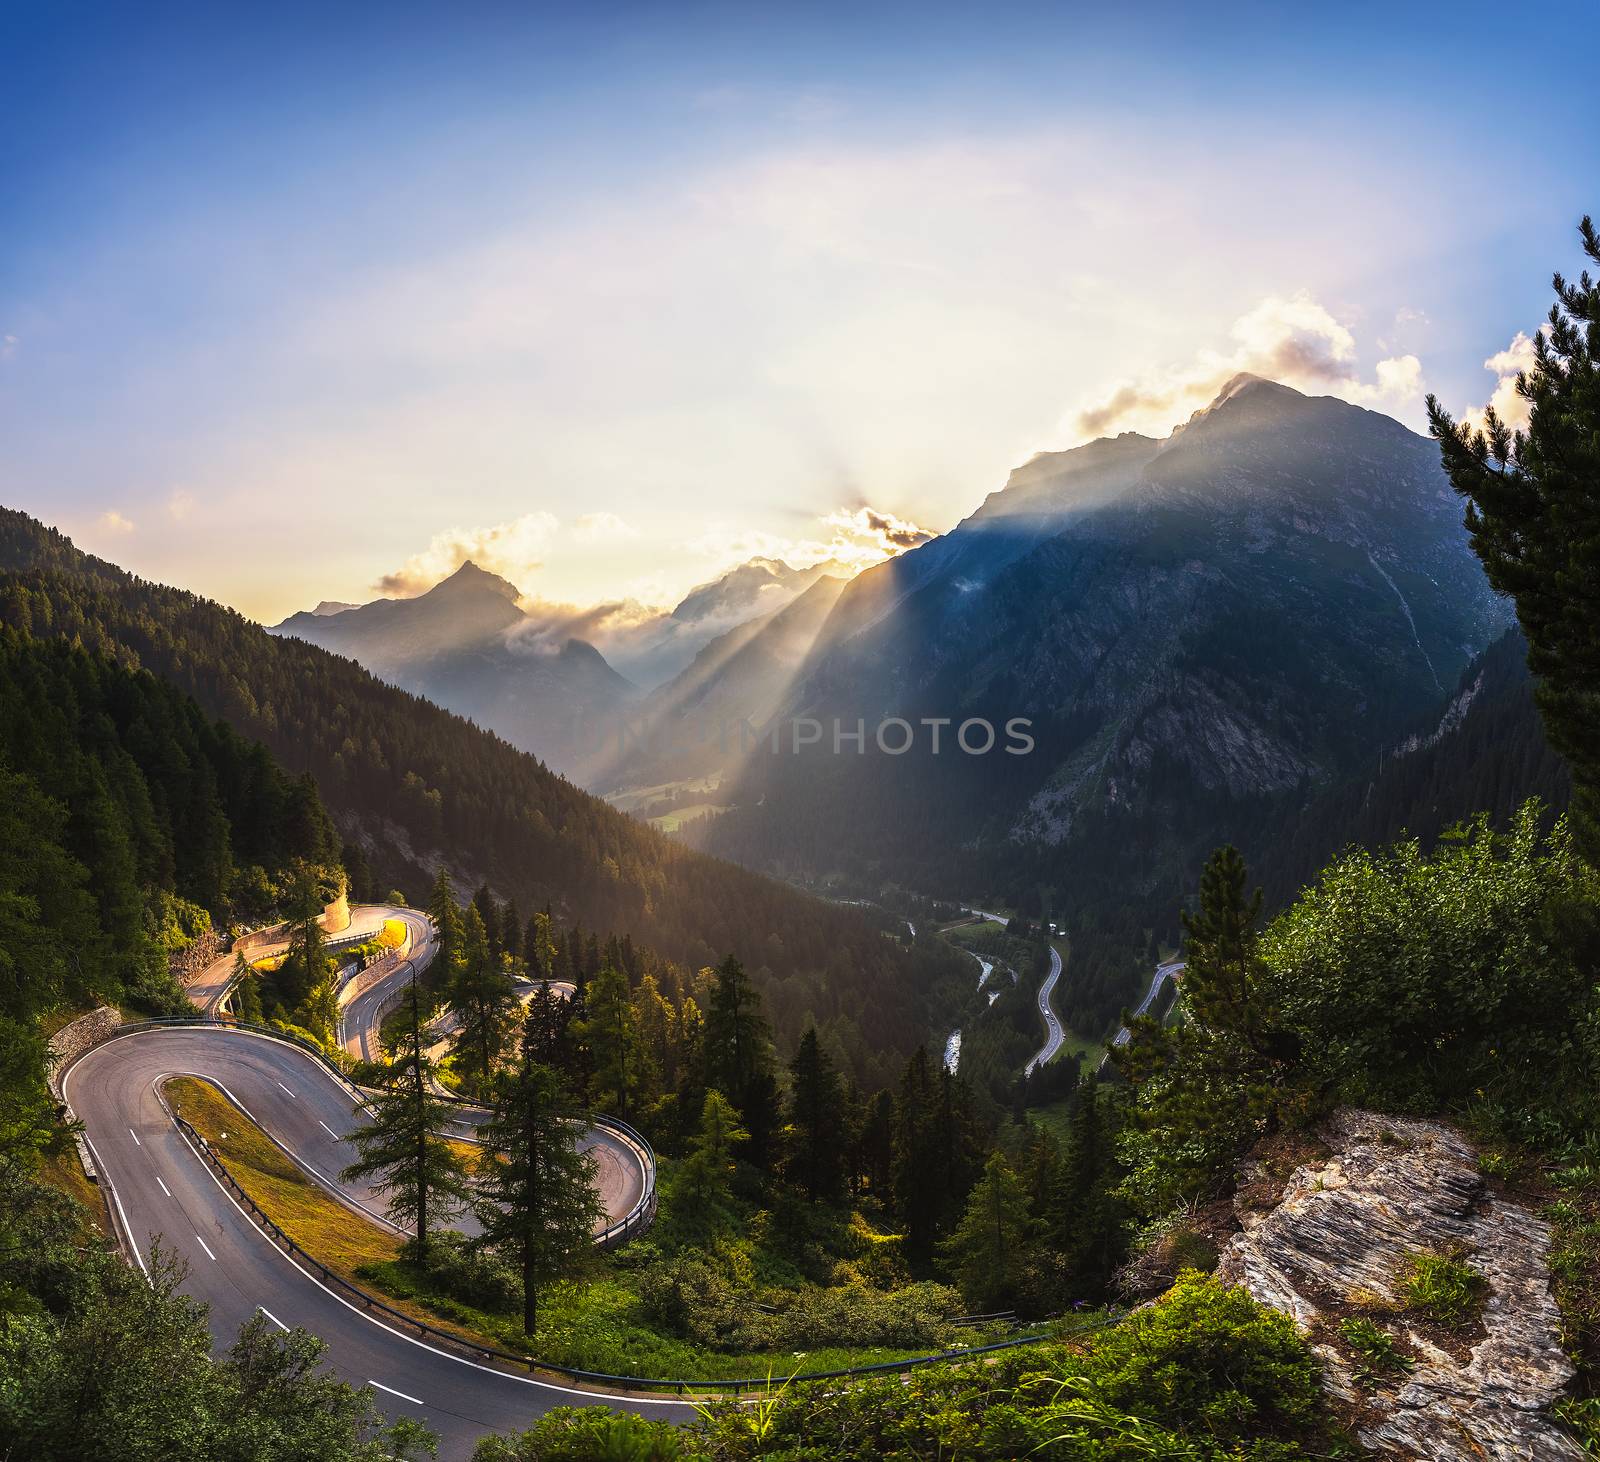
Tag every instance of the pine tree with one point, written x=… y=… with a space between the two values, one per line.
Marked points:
x=401 y=1151
x=708 y=1168
x=612 y=1039
x=538 y=948
x=988 y=1249
x=543 y=1026
x=816 y=1145
x=1084 y=1218
x=1533 y=511
x=539 y=1206
x=510 y=923
x=305 y=966
x=483 y=902
x=736 y=1035
x=658 y=1054
x=737 y=1055
x=446 y=916
x=483 y=999
x=1207 y=1086
x=247 y=990
x=916 y=1172
x=874 y=1150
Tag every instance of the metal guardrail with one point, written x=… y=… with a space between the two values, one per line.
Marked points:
x=579 y=1377
x=630 y=1225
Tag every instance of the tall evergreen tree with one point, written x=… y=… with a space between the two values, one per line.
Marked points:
x=539 y=1206
x=544 y=1026
x=917 y=1172
x=612 y=1040
x=1206 y=1086
x=446 y=915
x=489 y=913
x=988 y=1249
x=402 y=1152
x=247 y=990
x=737 y=1042
x=737 y=1053
x=817 y=1135
x=510 y=924
x=708 y=1169
x=538 y=948
x=874 y=1148
x=483 y=999
x=1533 y=510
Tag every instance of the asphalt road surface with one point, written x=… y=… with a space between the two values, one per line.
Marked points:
x=361 y=1018
x=366 y=921
x=159 y=1185
x=1054 y=1035
x=1164 y=972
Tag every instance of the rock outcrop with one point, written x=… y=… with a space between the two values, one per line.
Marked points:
x=1336 y=1242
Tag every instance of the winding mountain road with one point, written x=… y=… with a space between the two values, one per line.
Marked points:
x=1054 y=1034
x=1170 y=970
x=158 y=1185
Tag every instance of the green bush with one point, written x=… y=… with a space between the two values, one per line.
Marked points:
x=588 y=1434
x=692 y=1297
x=1420 y=981
x=1204 y=1374
x=1377 y=1352
x=1444 y=1287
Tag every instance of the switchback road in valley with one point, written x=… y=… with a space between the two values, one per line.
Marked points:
x=1054 y=1035
x=160 y=1186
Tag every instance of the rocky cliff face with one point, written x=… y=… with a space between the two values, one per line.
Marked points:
x=1336 y=1242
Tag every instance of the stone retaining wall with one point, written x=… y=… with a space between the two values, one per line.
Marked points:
x=66 y=1045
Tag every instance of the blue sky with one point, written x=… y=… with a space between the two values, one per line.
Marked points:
x=293 y=305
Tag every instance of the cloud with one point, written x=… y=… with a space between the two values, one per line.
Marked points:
x=850 y=539
x=1507 y=365
x=602 y=527
x=1292 y=339
x=550 y=625
x=8 y=346
x=180 y=505
x=514 y=550
x=111 y=521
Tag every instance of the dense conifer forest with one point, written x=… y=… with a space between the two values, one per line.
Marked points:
x=414 y=787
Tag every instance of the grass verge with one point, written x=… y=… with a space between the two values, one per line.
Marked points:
x=591 y=1324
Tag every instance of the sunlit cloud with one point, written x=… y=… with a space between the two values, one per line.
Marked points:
x=1507 y=365
x=514 y=550
x=111 y=521
x=179 y=505
x=1291 y=339
x=602 y=527
x=849 y=540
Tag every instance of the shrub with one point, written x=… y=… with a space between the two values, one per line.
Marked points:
x=1205 y=1374
x=587 y=1434
x=1444 y=1287
x=1208 y=1357
x=691 y=1298
x=1377 y=1352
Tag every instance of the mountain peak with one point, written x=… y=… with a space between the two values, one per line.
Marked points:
x=1247 y=382
x=469 y=578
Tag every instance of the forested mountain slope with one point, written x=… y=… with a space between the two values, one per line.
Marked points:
x=417 y=787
